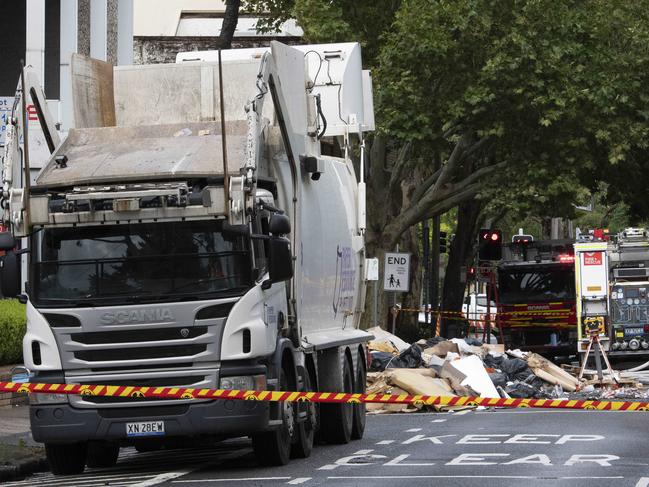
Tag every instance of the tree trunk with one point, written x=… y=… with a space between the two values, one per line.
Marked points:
x=460 y=254
x=382 y=208
x=230 y=20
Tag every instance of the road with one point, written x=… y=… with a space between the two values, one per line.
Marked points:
x=476 y=448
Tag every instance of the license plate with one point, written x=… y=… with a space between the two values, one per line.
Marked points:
x=633 y=331
x=145 y=428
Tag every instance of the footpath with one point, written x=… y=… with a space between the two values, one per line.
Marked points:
x=20 y=455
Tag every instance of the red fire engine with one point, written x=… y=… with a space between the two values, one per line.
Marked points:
x=536 y=295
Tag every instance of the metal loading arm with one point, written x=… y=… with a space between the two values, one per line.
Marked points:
x=12 y=199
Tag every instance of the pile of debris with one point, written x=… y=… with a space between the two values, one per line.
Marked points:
x=467 y=367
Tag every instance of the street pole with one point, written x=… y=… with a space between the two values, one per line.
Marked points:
x=375 y=307
x=434 y=275
x=425 y=236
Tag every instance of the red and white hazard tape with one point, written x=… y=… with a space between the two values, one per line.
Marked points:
x=321 y=397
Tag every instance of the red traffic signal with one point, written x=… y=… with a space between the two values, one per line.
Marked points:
x=490 y=244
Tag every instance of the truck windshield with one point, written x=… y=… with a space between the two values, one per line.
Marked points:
x=519 y=286
x=140 y=262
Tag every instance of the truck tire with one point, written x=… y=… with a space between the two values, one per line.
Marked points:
x=102 y=454
x=273 y=448
x=305 y=431
x=66 y=459
x=337 y=419
x=358 y=428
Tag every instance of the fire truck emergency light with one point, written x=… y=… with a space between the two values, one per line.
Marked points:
x=566 y=258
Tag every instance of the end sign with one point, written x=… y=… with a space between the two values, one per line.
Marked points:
x=396 y=276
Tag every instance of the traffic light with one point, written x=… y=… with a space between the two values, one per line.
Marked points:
x=443 y=243
x=490 y=244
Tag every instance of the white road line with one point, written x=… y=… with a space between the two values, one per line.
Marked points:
x=170 y=476
x=438 y=420
x=299 y=480
x=165 y=477
x=385 y=442
x=413 y=430
x=245 y=479
x=52 y=480
x=550 y=411
x=503 y=477
x=643 y=482
x=464 y=411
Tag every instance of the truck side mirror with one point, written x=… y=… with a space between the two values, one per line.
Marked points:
x=7 y=241
x=280 y=266
x=279 y=224
x=10 y=275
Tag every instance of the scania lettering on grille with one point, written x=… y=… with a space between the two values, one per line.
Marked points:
x=137 y=316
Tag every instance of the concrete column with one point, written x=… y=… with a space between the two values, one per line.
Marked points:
x=125 y=32
x=83 y=27
x=69 y=45
x=98 y=29
x=35 y=42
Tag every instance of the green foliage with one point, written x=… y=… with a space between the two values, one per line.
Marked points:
x=330 y=20
x=12 y=330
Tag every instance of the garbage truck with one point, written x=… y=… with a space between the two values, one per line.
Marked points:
x=190 y=232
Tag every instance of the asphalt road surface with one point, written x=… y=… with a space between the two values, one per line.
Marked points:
x=476 y=448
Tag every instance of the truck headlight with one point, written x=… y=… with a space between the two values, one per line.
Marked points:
x=243 y=383
x=43 y=398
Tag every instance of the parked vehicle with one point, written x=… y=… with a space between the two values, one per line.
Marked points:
x=178 y=239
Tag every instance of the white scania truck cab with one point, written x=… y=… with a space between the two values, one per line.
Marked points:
x=189 y=232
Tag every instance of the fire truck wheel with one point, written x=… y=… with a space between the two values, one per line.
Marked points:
x=66 y=459
x=337 y=419
x=358 y=427
x=102 y=454
x=273 y=448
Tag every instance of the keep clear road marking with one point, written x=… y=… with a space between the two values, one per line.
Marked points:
x=413 y=430
x=385 y=442
x=299 y=480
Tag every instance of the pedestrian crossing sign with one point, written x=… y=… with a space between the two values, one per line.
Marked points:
x=396 y=272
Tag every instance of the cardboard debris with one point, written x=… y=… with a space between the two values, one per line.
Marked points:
x=382 y=347
x=497 y=348
x=442 y=349
x=455 y=368
x=552 y=373
x=476 y=376
x=380 y=335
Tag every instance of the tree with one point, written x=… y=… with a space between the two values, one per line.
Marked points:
x=230 y=21
x=480 y=100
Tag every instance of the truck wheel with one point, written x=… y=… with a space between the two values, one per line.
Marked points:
x=358 y=427
x=102 y=454
x=273 y=448
x=306 y=430
x=67 y=459
x=337 y=419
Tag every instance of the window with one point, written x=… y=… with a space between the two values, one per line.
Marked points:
x=525 y=285
x=140 y=262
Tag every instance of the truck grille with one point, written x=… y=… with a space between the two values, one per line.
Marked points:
x=128 y=336
x=140 y=353
x=198 y=379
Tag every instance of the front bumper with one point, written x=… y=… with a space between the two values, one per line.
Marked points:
x=62 y=423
